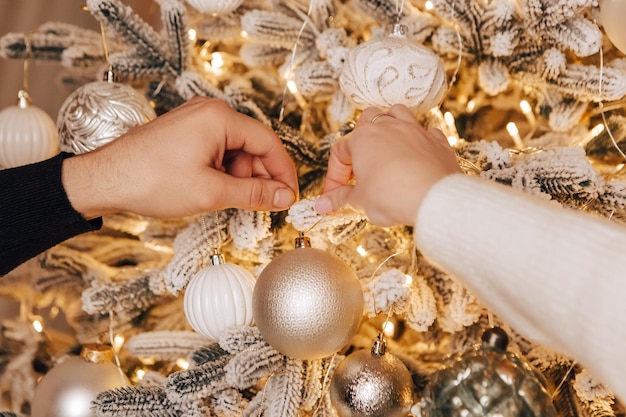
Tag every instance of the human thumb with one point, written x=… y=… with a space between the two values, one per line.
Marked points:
x=334 y=200
x=256 y=194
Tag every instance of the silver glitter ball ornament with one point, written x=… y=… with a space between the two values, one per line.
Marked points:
x=487 y=381
x=69 y=388
x=99 y=112
x=371 y=384
x=307 y=303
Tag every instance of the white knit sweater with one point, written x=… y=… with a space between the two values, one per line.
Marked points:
x=556 y=275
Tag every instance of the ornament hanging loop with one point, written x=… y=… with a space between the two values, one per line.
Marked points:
x=302 y=241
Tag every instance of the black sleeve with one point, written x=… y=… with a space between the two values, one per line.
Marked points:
x=35 y=213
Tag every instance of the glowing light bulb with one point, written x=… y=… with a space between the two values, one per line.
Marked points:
x=471 y=105
x=139 y=374
x=37 y=326
x=292 y=86
x=511 y=127
x=525 y=106
x=217 y=60
x=182 y=363
x=409 y=280
x=361 y=251
x=389 y=328
x=429 y=5
x=118 y=342
x=192 y=34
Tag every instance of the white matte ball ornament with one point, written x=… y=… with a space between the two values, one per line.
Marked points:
x=99 y=112
x=27 y=134
x=215 y=6
x=68 y=389
x=307 y=303
x=612 y=14
x=393 y=70
x=218 y=297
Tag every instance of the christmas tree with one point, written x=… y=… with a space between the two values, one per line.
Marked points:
x=531 y=98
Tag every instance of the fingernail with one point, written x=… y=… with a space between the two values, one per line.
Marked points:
x=283 y=198
x=323 y=205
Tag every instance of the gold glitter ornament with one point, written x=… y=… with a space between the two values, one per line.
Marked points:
x=68 y=389
x=371 y=383
x=393 y=70
x=487 y=381
x=99 y=112
x=218 y=297
x=307 y=303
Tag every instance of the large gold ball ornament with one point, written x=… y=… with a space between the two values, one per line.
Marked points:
x=99 y=112
x=70 y=387
x=27 y=134
x=371 y=383
x=393 y=70
x=307 y=303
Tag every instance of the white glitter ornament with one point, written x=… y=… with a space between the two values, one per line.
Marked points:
x=215 y=6
x=307 y=303
x=70 y=387
x=218 y=297
x=27 y=134
x=99 y=112
x=372 y=383
x=612 y=20
x=393 y=70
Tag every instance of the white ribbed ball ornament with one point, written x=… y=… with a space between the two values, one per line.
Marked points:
x=219 y=296
x=215 y=6
x=307 y=302
x=27 y=134
x=99 y=112
x=393 y=70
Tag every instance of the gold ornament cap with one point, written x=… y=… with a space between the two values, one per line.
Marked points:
x=302 y=241
x=23 y=99
x=97 y=353
x=379 y=346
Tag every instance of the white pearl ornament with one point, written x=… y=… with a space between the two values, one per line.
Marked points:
x=218 y=297
x=393 y=70
x=27 y=134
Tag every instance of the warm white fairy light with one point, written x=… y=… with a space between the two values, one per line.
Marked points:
x=527 y=111
x=139 y=374
x=217 y=60
x=451 y=126
x=470 y=106
x=244 y=34
x=408 y=280
x=389 y=328
x=595 y=131
x=38 y=326
x=182 y=363
x=429 y=5
x=193 y=35
x=361 y=251
x=511 y=127
x=118 y=342
x=292 y=86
